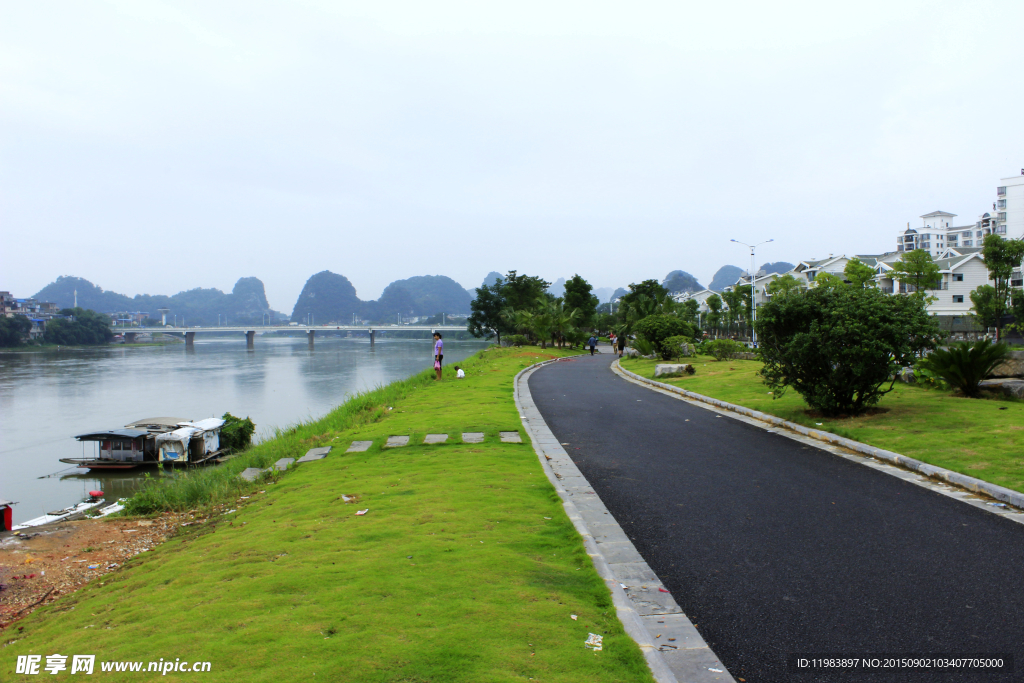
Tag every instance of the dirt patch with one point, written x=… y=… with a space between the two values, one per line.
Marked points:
x=978 y=466
x=37 y=566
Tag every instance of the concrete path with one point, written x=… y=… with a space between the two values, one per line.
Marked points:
x=774 y=548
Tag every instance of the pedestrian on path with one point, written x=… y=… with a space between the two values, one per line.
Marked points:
x=621 y=342
x=592 y=342
x=438 y=354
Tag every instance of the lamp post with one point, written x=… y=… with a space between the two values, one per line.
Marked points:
x=753 y=292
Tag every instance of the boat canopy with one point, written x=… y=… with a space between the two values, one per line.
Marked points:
x=206 y=425
x=181 y=435
x=158 y=423
x=112 y=434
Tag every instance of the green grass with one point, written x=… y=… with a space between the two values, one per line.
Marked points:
x=294 y=584
x=982 y=438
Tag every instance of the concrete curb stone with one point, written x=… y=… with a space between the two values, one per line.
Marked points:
x=639 y=604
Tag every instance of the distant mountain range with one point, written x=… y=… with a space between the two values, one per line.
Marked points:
x=246 y=303
x=329 y=297
x=728 y=275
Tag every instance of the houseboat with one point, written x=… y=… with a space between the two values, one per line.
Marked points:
x=191 y=443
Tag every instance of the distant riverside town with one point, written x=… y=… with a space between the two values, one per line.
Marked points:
x=954 y=248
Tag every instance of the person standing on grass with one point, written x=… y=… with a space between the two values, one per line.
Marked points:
x=438 y=353
x=592 y=342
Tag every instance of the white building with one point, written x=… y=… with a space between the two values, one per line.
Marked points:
x=1009 y=206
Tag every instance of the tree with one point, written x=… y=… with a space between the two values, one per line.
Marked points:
x=734 y=300
x=81 y=327
x=714 y=303
x=657 y=328
x=917 y=268
x=986 y=307
x=649 y=288
x=486 y=320
x=578 y=296
x=1002 y=257
x=522 y=291
x=828 y=281
x=786 y=284
x=859 y=274
x=837 y=347
x=14 y=330
x=688 y=310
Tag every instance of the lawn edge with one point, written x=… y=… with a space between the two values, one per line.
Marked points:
x=973 y=484
x=546 y=446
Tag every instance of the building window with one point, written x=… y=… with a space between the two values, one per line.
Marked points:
x=1002 y=215
x=958 y=277
x=1001 y=191
x=978 y=233
x=966 y=233
x=958 y=298
x=1001 y=204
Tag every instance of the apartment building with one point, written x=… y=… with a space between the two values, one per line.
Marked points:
x=1009 y=206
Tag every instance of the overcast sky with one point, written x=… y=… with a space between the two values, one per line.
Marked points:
x=153 y=147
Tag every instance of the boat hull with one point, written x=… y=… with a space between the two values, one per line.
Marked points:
x=106 y=464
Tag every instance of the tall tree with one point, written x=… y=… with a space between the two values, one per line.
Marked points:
x=1002 y=257
x=714 y=303
x=578 y=296
x=917 y=268
x=486 y=319
x=649 y=288
x=859 y=274
x=522 y=291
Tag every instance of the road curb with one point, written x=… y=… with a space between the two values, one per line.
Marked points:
x=1003 y=494
x=637 y=593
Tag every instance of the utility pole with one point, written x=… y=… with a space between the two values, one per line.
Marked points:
x=753 y=292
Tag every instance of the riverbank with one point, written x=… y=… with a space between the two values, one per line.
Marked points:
x=981 y=438
x=464 y=567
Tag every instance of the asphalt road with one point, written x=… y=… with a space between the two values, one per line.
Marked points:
x=772 y=547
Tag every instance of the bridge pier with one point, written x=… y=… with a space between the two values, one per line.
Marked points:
x=250 y=337
x=311 y=334
x=373 y=337
x=190 y=338
x=129 y=337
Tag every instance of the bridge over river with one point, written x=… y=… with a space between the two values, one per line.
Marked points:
x=311 y=330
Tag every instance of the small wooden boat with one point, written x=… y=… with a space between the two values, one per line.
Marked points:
x=59 y=515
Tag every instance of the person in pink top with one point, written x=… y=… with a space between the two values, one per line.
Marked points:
x=438 y=353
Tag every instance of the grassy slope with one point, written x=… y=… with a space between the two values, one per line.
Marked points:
x=983 y=438
x=496 y=569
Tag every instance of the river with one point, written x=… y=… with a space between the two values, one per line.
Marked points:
x=48 y=397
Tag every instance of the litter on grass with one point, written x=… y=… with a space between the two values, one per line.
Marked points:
x=362 y=512
x=818 y=423
x=594 y=642
x=347 y=499
x=573 y=617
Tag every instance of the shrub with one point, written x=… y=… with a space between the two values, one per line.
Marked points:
x=722 y=348
x=643 y=345
x=236 y=433
x=964 y=365
x=516 y=340
x=660 y=327
x=672 y=347
x=837 y=347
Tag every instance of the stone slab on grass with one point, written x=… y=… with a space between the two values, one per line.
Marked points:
x=510 y=437
x=359 y=446
x=397 y=441
x=282 y=464
x=315 y=454
x=672 y=369
x=435 y=438
x=472 y=437
x=1014 y=388
x=251 y=473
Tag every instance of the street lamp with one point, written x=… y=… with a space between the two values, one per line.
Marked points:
x=753 y=300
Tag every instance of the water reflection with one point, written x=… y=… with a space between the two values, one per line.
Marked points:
x=48 y=397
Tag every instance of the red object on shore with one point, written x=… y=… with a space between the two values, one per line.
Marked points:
x=6 y=517
x=96 y=494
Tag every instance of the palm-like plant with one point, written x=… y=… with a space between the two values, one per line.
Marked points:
x=964 y=365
